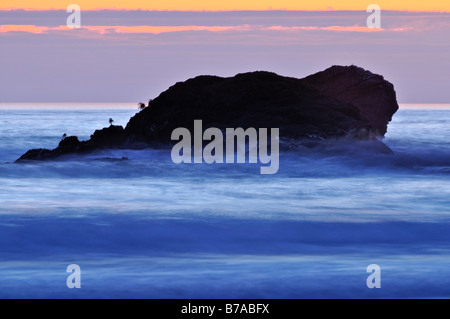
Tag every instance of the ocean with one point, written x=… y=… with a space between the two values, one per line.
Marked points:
x=148 y=228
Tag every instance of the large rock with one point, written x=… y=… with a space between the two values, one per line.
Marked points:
x=339 y=102
x=373 y=96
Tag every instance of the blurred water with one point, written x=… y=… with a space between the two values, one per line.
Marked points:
x=147 y=227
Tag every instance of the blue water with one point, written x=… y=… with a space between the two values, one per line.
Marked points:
x=148 y=228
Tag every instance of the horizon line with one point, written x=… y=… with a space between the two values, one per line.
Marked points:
x=232 y=10
x=132 y=103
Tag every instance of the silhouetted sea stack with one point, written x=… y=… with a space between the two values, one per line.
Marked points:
x=340 y=102
x=373 y=96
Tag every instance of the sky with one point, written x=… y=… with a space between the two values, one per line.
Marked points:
x=130 y=51
x=230 y=5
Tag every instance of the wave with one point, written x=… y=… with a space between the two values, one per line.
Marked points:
x=338 y=159
x=135 y=257
x=134 y=234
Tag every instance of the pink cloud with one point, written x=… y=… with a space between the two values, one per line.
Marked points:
x=165 y=29
x=361 y=29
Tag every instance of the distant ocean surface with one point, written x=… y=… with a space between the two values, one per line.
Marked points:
x=148 y=228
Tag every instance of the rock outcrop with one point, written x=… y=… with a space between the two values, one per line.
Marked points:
x=374 y=97
x=339 y=102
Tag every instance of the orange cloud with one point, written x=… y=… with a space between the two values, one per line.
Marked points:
x=22 y=28
x=29 y=28
x=199 y=5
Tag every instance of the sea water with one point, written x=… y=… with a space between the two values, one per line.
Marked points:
x=148 y=228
